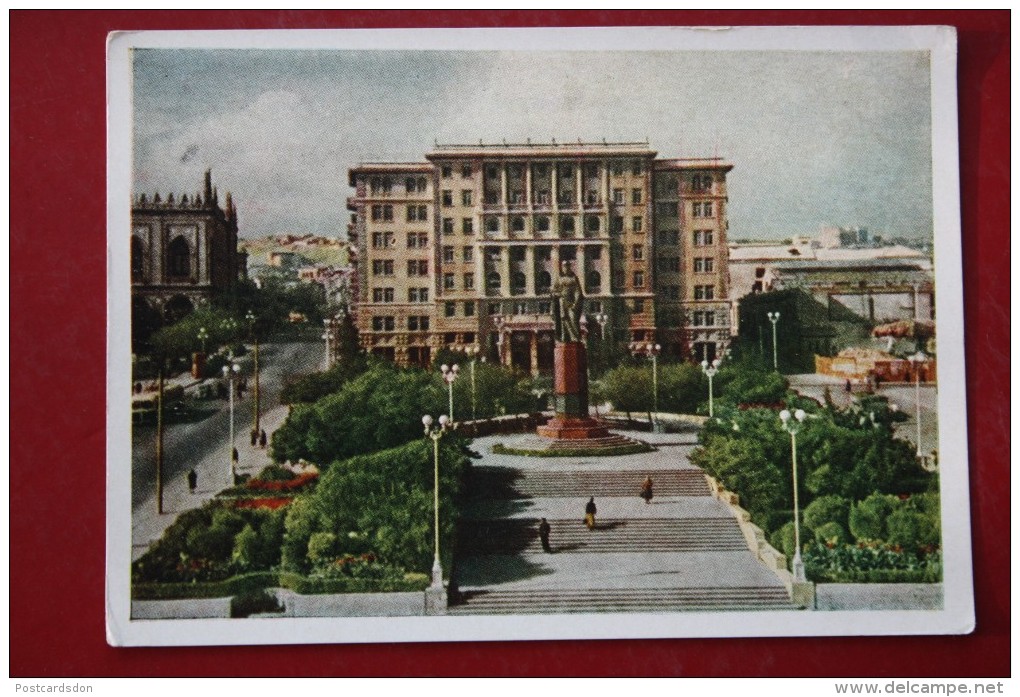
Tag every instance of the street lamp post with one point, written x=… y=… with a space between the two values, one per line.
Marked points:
x=230 y=374
x=917 y=360
x=449 y=375
x=472 y=354
x=602 y=318
x=792 y=424
x=501 y=328
x=774 y=318
x=159 y=439
x=710 y=370
x=203 y=336
x=255 y=359
x=436 y=434
x=652 y=351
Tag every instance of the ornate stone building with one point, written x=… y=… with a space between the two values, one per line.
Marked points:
x=463 y=249
x=183 y=251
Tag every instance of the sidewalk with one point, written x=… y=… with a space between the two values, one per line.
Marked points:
x=213 y=476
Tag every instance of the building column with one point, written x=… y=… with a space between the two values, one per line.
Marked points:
x=527 y=186
x=503 y=186
x=534 y=352
x=605 y=190
x=579 y=188
x=555 y=180
x=529 y=270
x=506 y=269
x=580 y=270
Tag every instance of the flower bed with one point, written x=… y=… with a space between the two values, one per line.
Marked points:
x=267 y=502
x=297 y=482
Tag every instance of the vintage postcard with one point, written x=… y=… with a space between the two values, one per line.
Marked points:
x=452 y=335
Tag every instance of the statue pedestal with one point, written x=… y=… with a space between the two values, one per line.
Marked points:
x=571 y=395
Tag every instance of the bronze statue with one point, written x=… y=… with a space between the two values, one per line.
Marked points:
x=568 y=300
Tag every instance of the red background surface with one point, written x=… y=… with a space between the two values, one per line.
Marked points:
x=58 y=285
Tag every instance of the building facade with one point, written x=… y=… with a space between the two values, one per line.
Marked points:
x=183 y=251
x=463 y=249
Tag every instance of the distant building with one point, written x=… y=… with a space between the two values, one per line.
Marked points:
x=183 y=251
x=831 y=236
x=463 y=249
x=283 y=259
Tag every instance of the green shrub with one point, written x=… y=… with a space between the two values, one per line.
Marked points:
x=784 y=540
x=302 y=519
x=254 y=602
x=321 y=547
x=831 y=533
x=826 y=509
x=870 y=563
x=246 y=548
x=905 y=529
x=275 y=473
x=868 y=517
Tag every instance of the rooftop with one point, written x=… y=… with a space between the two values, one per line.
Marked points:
x=550 y=149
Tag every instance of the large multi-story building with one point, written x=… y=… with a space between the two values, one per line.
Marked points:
x=463 y=249
x=183 y=251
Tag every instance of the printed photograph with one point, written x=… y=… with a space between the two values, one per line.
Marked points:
x=533 y=334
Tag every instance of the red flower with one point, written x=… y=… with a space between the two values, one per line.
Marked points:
x=270 y=503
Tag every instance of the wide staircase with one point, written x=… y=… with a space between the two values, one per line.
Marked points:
x=507 y=483
x=517 y=535
x=555 y=600
x=675 y=541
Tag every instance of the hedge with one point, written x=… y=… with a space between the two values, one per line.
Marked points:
x=256 y=581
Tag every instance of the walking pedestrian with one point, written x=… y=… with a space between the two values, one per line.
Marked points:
x=543 y=533
x=849 y=386
x=235 y=455
x=254 y=438
x=263 y=439
x=192 y=480
x=589 y=513
x=646 y=490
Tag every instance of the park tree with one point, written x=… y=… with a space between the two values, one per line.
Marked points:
x=378 y=409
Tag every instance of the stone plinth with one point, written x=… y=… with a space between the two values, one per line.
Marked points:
x=570 y=385
x=572 y=429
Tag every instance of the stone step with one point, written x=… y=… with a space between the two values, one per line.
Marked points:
x=506 y=483
x=554 y=600
x=520 y=535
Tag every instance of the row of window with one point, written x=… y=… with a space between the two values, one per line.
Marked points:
x=467 y=197
x=618 y=168
x=467 y=254
x=519 y=281
x=701 y=182
x=414 y=295
x=419 y=212
x=415 y=267
x=567 y=224
x=415 y=323
x=702 y=209
x=384 y=185
x=416 y=213
x=420 y=240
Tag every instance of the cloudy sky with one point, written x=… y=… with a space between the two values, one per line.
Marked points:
x=815 y=138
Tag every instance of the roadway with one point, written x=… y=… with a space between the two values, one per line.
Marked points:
x=202 y=444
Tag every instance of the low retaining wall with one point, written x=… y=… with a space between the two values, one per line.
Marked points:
x=878 y=596
x=194 y=609
x=513 y=423
x=295 y=605
x=352 y=604
x=753 y=535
